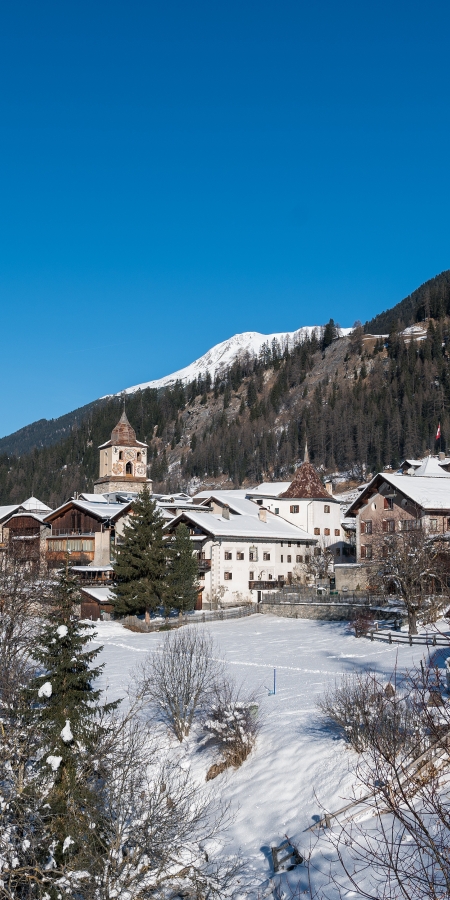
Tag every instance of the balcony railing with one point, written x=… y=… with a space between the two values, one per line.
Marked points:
x=64 y=532
x=265 y=585
x=204 y=565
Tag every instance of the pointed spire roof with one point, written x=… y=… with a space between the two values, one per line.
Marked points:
x=123 y=433
x=306 y=456
x=307 y=484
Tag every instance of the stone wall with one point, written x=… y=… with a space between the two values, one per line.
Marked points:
x=334 y=612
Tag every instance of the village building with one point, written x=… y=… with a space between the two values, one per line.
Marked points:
x=242 y=553
x=304 y=502
x=87 y=532
x=23 y=533
x=123 y=462
x=401 y=503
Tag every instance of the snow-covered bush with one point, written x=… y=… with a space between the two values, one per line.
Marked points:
x=232 y=724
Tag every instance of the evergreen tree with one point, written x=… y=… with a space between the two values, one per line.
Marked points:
x=66 y=714
x=182 y=578
x=140 y=567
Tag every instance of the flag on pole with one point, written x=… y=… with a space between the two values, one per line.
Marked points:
x=438 y=433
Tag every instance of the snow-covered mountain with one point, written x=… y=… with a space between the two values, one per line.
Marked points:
x=224 y=354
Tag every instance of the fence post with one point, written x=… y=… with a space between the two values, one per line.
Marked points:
x=371 y=635
x=390 y=638
x=410 y=640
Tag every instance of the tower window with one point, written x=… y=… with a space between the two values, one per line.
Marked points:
x=120 y=454
x=129 y=469
x=138 y=457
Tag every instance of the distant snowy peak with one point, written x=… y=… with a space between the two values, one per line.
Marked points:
x=224 y=354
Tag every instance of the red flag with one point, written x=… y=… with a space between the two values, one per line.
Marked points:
x=438 y=433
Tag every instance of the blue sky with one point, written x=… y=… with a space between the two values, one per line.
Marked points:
x=173 y=173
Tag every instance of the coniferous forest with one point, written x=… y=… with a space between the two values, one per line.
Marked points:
x=361 y=403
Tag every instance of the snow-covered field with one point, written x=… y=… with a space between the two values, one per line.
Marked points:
x=298 y=764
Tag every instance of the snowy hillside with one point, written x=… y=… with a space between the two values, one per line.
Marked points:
x=224 y=354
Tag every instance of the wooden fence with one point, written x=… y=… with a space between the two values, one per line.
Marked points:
x=215 y=615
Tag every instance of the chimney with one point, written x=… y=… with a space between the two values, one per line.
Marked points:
x=262 y=514
x=225 y=511
x=329 y=487
x=441 y=455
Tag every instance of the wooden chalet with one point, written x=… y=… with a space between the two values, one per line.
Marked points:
x=87 y=531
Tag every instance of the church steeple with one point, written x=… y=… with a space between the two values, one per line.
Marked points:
x=123 y=461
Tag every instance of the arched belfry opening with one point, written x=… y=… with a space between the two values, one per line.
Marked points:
x=129 y=468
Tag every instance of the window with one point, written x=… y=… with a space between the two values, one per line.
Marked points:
x=326 y=509
x=240 y=556
x=277 y=511
x=448 y=524
x=317 y=531
x=388 y=526
x=294 y=508
x=129 y=468
x=251 y=576
x=270 y=578
x=337 y=532
x=282 y=558
x=366 y=551
x=298 y=558
x=289 y=543
x=120 y=454
x=227 y=576
x=228 y=555
x=326 y=531
x=298 y=542
x=252 y=556
x=266 y=557
x=316 y=551
x=433 y=524
x=388 y=503
x=289 y=558
x=307 y=558
x=259 y=502
x=280 y=578
x=409 y=525
x=366 y=527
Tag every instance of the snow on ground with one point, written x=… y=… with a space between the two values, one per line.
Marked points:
x=298 y=763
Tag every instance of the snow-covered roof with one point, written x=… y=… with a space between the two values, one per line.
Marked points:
x=239 y=492
x=430 y=468
x=428 y=492
x=36 y=505
x=7 y=511
x=244 y=526
x=269 y=489
x=92 y=498
x=30 y=515
x=100 y=594
x=98 y=510
x=91 y=568
x=238 y=504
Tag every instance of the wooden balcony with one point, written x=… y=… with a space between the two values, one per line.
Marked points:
x=204 y=565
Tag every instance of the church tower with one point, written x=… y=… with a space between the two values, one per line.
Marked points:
x=123 y=462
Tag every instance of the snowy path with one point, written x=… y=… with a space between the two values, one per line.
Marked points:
x=274 y=791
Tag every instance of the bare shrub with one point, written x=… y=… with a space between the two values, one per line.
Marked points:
x=362 y=623
x=232 y=725
x=395 y=843
x=177 y=679
x=363 y=707
x=161 y=829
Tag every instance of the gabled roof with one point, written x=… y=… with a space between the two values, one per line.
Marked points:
x=7 y=511
x=36 y=505
x=430 y=493
x=237 y=504
x=307 y=485
x=29 y=515
x=243 y=526
x=268 y=489
x=100 y=511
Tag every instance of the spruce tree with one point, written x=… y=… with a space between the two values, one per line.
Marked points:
x=65 y=710
x=182 y=577
x=140 y=567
